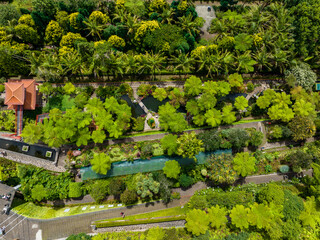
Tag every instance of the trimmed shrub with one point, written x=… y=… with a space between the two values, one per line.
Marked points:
x=116 y=187
x=128 y=197
x=99 y=191
x=198 y=202
x=284 y=168
x=185 y=181
x=75 y=189
x=230 y=199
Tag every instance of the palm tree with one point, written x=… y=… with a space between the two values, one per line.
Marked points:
x=210 y=63
x=73 y=64
x=245 y=63
x=151 y=63
x=94 y=28
x=188 y=25
x=130 y=64
x=262 y=57
x=167 y=16
x=183 y=62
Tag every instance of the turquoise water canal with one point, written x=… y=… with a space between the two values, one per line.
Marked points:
x=145 y=165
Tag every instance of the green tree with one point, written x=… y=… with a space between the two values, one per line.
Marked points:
x=310 y=216
x=256 y=138
x=302 y=128
x=116 y=187
x=101 y=163
x=170 y=119
x=260 y=215
x=156 y=233
x=207 y=101
x=193 y=86
x=53 y=33
x=235 y=80
x=26 y=34
x=304 y=76
x=172 y=169
x=197 y=222
x=220 y=169
x=169 y=144
x=98 y=136
x=241 y=103
x=244 y=164
x=185 y=181
x=213 y=117
x=128 y=197
x=160 y=94
x=239 y=216
x=304 y=109
x=217 y=216
x=189 y=145
x=271 y=194
x=281 y=112
x=69 y=88
x=267 y=98
x=146 y=186
x=39 y=193
x=31 y=133
x=192 y=107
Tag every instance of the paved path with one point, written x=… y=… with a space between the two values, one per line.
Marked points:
x=203 y=12
x=64 y=226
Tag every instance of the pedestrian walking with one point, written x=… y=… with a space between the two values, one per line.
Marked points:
x=3 y=229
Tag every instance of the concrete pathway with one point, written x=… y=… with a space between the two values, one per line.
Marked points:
x=203 y=12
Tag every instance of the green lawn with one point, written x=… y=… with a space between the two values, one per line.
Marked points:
x=32 y=210
x=175 y=211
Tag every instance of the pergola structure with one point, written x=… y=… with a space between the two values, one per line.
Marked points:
x=20 y=94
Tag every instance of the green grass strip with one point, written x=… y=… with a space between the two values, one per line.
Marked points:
x=174 y=211
x=138 y=221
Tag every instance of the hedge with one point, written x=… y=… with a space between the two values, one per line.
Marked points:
x=138 y=221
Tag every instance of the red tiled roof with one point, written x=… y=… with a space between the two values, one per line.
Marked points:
x=15 y=94
x=21 y=92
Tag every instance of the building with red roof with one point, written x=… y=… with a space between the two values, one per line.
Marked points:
x=20 y=94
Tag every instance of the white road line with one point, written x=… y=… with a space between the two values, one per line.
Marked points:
x=8 y=218
x=13 y=221
x=16 y=225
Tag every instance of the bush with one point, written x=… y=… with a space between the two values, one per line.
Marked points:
x=116 y=187
x=230 y=199
x=185 y=181
x=138 y=124
x=250 y=87
x=8 y=12
x=198 y=202
x=272 y=193
x=211 y=140
x=99 y=190
x=128 y=197
x=151 y=123
x=284 y=168
x=2 y=88
x=80 y=236
x=299 y=160
x=146 y=150
x=75 y=189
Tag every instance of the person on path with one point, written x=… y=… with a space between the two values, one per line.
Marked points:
x=3 y=229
